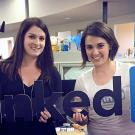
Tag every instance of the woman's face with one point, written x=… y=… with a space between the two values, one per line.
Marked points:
x=97 y=50
x=34 y=41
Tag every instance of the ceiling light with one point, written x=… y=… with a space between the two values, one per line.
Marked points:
x=67 y=18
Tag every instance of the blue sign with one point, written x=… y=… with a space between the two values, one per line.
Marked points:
x=132 y=93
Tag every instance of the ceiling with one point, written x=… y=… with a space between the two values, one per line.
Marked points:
x=92 y=11
x=87 y=12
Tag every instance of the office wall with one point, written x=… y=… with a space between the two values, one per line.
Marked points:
x=125 y=36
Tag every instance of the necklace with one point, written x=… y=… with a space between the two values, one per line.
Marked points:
x=28 y=91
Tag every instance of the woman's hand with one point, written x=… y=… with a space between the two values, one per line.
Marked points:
x=45 y=115
x=80 y=118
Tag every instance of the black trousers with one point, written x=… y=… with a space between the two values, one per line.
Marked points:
x=31 y=128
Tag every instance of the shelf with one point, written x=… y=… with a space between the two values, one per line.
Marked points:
x=70 y=68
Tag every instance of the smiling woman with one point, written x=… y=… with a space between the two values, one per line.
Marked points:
x=97 y=49
x=34 y=42
x=99 y=46
x=31 y=60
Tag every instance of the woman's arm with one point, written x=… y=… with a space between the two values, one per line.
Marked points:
x=55 y=86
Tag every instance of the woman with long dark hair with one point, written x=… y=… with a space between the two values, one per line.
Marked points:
x=31 y=60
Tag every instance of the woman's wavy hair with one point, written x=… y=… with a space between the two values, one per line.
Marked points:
x=99 y=29
x=45 y=60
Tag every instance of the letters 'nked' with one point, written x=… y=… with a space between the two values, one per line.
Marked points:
x=23 y=107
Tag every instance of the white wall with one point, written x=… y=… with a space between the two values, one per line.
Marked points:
x=6 y=46
x=12 y=11
x=125 y=37
x=48 y=7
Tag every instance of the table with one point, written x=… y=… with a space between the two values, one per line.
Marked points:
x=76 y=132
